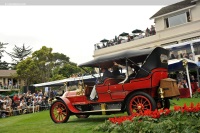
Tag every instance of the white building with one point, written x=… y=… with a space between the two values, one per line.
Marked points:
x=176 y=23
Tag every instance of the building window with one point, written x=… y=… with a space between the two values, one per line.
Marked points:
x=178 y=19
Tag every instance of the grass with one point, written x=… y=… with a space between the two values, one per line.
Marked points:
x=41 y=122
x=181 y=101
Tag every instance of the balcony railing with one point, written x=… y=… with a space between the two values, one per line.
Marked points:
x=10 y=87
x=123 y=39
x=113 y=42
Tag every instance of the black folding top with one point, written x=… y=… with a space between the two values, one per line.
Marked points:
x=106 y=60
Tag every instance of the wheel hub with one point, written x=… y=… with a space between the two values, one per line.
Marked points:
x=59 y=111
x=140 y=106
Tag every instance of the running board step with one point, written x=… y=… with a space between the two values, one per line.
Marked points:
x=103 y=110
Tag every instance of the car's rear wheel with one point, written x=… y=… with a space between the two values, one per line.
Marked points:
x=139 y=102
x=59 y=112
x=82 y=116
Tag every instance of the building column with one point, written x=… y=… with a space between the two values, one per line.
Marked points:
x=6 y=82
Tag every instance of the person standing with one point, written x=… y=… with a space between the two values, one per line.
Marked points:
x=147 y=32
x=10 y=84
x=153 y=31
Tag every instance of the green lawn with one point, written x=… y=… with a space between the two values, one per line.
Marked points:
x=41 y=122
x=181 y=101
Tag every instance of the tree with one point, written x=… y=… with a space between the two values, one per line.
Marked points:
x=2 y=48
x=28 y=70
x=19 y=53
x=60 y=58
x=44 y=60
x=47 y=66
x=57 y=77
x=3 y=65
x=69 y=69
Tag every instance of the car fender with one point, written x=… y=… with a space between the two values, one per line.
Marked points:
x=68 y=104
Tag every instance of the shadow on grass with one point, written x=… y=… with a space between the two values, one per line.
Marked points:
x=92 y=118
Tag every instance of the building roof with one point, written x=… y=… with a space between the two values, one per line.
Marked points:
x=7 y=73
x=174 y=7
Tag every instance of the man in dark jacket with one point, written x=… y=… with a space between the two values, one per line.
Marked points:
x=115 y=71
x=106 y=74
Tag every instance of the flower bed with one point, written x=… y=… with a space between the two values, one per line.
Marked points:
x=180 y=120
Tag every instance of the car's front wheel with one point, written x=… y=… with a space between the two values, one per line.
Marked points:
x=59 y=112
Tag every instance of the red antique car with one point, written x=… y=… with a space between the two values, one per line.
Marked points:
x=138 y=93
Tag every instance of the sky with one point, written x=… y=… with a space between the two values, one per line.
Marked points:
x=71 y=30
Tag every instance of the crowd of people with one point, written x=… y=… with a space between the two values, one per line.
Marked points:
x=127 y=38
x=26 y=102
x=175 y=55
x=181 y=79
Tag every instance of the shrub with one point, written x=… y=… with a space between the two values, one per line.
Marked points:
x=181 y=120
x=196 y=94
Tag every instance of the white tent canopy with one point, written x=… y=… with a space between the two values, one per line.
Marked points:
x=183 y=64
x=61 y=82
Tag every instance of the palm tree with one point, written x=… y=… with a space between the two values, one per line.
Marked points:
x=19 y=53
x=2 y=48
x=3 y=65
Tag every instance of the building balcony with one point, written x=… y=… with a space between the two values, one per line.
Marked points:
x=166 y=36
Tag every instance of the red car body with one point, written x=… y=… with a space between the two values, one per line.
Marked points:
x=139 y=93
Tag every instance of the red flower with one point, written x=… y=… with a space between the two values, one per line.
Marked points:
x=147 y=112
x=185 y=106
x=156 y=114
x=167 y=111
x=161 y=111
x=177 y=108
x=191 y=105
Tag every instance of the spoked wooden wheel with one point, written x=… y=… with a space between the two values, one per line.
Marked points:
x=59 y=112
x=139 y=102
x=82 y=116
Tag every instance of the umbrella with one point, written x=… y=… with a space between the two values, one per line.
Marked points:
x=104 y=40
x=2 y=95
x=124 y=34
x=11 y=95
x=137 y=31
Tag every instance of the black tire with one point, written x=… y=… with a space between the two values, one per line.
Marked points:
x=82 y=116
x=59 y=112
x=140 y=101
x=166 y=103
